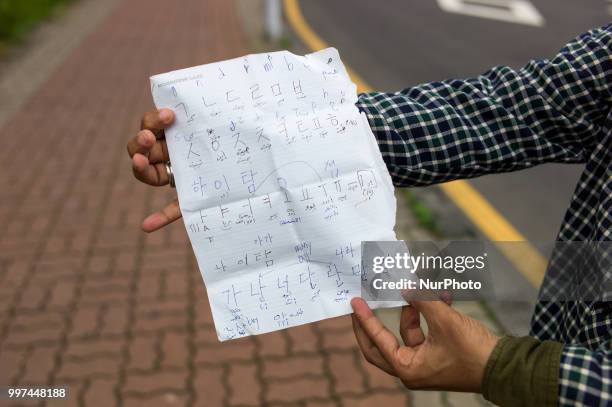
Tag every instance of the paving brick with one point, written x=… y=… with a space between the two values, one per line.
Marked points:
x=101 y=392
x=243 y=385
x=202 y=308
x=85 y=321
x=14 y=273
x=96 y=366
x=347 y=378
x=149 y=287
x=399 y=399
x=209 y=387
x=321 y=403
x=144 y=383
x=115 y=320
x=272 y=344
x=144 y=352
x=97 y=347
x=23 y=335
x=106 y=289
x=292 y=366
x=238 y=350
x=176 y=283
x=32 y=297
x=39 y=365
x=169 y=399
x=343 y=340
x=303 y=339
x=11 y=363
x=62 y=294
x=342 y=323
x=298 y=389
x=161 y=315
x=175 y=350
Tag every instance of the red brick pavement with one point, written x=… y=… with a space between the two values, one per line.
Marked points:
x=88 y=300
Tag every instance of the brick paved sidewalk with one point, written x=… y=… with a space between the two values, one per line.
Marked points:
x=88 y=300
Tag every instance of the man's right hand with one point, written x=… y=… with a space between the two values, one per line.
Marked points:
x=149 y=155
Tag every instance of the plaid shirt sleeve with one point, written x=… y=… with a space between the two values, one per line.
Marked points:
x=506 y=120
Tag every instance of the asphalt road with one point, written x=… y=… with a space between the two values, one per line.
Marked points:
x=394 y=44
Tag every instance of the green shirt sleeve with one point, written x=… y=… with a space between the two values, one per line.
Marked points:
x=523 y=372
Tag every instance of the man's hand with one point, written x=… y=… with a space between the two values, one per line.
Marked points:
x=451 y=357
x=149 y=156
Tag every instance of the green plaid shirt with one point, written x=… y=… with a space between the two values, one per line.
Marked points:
x=557 y=110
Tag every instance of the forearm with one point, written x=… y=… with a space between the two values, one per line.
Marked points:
x=503 y=120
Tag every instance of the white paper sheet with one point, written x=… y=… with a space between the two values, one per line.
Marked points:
x=279 y=179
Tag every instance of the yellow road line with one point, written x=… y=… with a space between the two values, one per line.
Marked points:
x=491 y=223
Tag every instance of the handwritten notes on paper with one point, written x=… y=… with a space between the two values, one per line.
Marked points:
x=279 y=179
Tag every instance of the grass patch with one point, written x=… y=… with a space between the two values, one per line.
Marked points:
x=423 y=215
x=19 y=17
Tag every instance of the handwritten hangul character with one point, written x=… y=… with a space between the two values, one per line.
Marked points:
x=268 y=66
x=333 y=272
x=281 y=320
x=248 y=179
x=338 y=186
x=262 y=255
x=310 y=207
x=297 y=89
x=221 y=267
x=255 y=92
x=352 y=186
x=198 y=227
x=276 y=89
x=231 y=295
x=323 y=189
x=267 y=201
x=366 y=179
x=306 y=194
x=231 y=96
x=182 y=106
x=301 y=126
x=262 y=139
x=284 y=132
x=333 y=119
x=308 y=277
x=198 y=186
x=282 y=184
x=332 y=168
x=222 y=187
x=243 y=260
x=306 y=137
x=346 y=250
x=246 y=214
x=283 y=283
x=194 y=157
x=263 y=239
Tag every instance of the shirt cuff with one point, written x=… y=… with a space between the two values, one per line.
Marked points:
x=523 y=372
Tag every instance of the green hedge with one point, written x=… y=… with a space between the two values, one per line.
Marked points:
x=17 y=17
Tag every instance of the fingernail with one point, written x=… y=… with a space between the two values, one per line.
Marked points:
x=144 y=139
x=165 y=115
